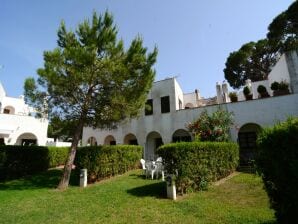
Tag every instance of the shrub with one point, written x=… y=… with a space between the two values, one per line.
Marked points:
x=246 y=91
x=18 y=161
x=198 y=163
x=233 y=96
x=277 y=162
x=274 y=86
x=57 y=155
x=106 y=161
x=214 y=127
x=283 y=85
x=261 y=89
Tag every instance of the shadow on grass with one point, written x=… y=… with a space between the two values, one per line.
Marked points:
x=48 y=179
x=157 y=190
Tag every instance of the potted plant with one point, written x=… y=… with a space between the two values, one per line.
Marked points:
x=281 y=88
x=262 y=91
x=233 y=96
x=247 y=93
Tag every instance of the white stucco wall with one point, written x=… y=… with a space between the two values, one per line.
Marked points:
x=19 y=123
x=279 y=72
x=263 y=112
x=16 y=125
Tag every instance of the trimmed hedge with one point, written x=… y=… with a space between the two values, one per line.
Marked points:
x=106 y=161
x=57 y=155
x=277 y=161
x=196 y=164
x=17 y=161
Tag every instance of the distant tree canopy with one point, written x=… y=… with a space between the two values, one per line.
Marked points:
x=283 y=30
x=254 y=60
x=61 y=129
x=91 y=79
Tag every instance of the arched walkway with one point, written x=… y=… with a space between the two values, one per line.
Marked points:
x=247 y=137
x=92 y=141
x=130 y=139
x=8 y=110
x=181 y=135
x=110 y=140
x=153 y=141
x=188 y=106
x=27 y=139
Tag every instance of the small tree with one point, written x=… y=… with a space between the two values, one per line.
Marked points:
x=91 y=79
x=214 y=127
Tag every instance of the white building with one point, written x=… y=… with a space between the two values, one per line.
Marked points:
x=171 y=110
x=18 y=126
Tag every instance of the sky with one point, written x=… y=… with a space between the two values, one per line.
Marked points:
x=194 y=37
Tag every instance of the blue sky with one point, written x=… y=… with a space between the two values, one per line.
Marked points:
x=194 y=37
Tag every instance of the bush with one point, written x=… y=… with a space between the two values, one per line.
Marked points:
x=233 y=96
x=261 y=89
x=246 y=91
x=106 y=161
x=274 y=86
x=277 y=162
x=57 y=155
x=17 y=161
x=214 y=127
x=198 y=163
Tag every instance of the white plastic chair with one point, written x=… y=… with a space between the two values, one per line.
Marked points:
x=143 y=163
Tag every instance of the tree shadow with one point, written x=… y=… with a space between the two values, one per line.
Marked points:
x=157 y=190
x=48 y=179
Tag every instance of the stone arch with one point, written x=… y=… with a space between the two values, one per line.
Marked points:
x=153 y=141
x=181 y=135
x=247 y=137
x=110 y=140
x=9 y=110
x=92 y=141
x=27 y=139
x=189 y=105
x=130 y=139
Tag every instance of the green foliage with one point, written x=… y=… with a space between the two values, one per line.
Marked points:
x=198 y=163
x=106 y=161
x=57 y=155
x=90 y=76
x=252 y=61
x=61 y=129
x=277 y=161
x=261 y=89
x=18 y=161
x=283 y=85
x=274 y=86
x=283 y=30
x=233 y=96
x=214 y=127
x=246 y=91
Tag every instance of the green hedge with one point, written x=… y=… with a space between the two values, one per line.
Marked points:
x=106 y=161
x=195 y=164
x=57 y=155
x=277 y=161
x=18 y=161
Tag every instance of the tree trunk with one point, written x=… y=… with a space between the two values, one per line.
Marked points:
x=71 y=156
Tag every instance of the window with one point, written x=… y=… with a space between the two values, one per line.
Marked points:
x=165 y=104
x=112 y=142
x=149 y=107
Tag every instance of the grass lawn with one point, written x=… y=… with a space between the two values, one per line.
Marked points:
x=131 y=199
